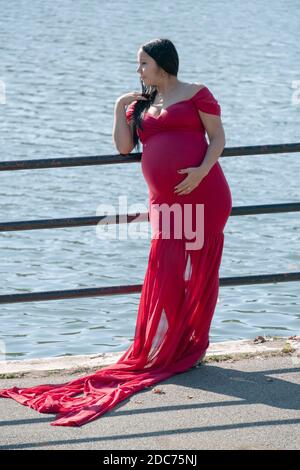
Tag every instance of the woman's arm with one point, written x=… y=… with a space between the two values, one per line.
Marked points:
x=122 y=131
x=214 y=128
x=216 y=134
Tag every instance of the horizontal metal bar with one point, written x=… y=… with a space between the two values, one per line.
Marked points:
x=73 y=222
x=261 y=149
x=266 y=208
x=133 y=218
x=260 y=279
x=136 y=157
x=135 y=288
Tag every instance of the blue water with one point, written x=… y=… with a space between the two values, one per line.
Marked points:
x=63 y=65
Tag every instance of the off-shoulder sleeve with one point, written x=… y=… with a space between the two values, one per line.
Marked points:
x=129 y=111
x=205 y=101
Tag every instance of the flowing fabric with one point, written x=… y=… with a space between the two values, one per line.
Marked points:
x=181 y=283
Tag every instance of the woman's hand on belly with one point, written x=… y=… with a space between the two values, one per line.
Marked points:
x=194 y=177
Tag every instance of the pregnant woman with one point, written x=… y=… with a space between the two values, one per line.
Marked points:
x=189 y=204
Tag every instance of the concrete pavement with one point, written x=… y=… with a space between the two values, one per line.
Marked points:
x=231 y=401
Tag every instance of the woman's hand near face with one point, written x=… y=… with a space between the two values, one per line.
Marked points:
x=128 y=98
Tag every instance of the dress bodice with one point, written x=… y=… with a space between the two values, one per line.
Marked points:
x=182 y=115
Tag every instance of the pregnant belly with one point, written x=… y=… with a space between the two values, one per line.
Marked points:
x=164 y=154
x=167 y=152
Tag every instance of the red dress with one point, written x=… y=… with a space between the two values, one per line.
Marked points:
x=181 y=282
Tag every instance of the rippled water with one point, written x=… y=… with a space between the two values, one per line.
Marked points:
x=63 y=65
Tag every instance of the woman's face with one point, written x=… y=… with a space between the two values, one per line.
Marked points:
x=147 y=68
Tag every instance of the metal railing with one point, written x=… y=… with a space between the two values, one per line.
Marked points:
x=138 y=217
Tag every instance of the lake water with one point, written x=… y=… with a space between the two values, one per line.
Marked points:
x=63 y=65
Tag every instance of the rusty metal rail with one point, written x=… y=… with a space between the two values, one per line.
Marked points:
x=61 y=162
x=138 y=217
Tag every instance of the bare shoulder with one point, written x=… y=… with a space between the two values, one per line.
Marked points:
x=197 y=86
x=193 y=88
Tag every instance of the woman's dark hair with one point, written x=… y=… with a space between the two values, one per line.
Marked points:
x=165 y=55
